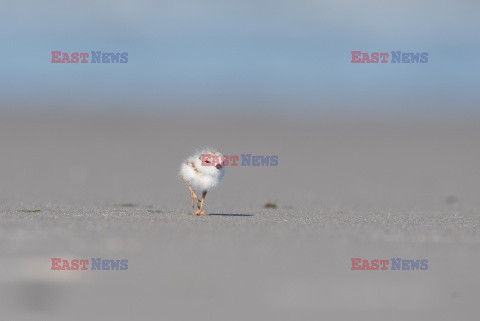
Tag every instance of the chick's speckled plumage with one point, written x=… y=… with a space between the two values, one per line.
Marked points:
x=202 y=177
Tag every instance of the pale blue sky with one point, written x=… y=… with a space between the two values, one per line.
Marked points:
x=183 y=53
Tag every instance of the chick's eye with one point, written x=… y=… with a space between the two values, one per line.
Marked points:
x=208 y=162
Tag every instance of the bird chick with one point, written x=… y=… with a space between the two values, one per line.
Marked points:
x=202 y=175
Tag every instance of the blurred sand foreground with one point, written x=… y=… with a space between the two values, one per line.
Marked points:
x=107 y=187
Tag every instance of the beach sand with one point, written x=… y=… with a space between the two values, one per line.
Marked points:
x=108 y=187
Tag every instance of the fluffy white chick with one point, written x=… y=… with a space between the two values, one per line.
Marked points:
x=202 y=172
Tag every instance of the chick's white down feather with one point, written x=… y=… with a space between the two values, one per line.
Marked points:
x=202 y=177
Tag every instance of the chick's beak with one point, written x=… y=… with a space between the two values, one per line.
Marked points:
x=218 y=166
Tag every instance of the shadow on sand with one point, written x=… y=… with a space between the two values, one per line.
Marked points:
x=232 y=215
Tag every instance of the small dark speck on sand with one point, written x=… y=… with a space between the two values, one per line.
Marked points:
x=126 y=205
x=270 y=205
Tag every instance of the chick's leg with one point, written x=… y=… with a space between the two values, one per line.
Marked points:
x=193 y=196
x=201 y=211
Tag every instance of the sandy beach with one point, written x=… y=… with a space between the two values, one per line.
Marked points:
x=96 y=186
